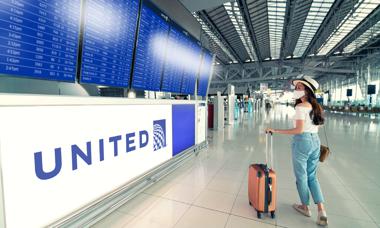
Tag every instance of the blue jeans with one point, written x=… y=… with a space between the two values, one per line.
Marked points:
x=305 y=154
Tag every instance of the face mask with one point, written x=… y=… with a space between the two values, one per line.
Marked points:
x=297 y=94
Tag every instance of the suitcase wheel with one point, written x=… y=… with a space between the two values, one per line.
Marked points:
x=258 y=215
x=272 y=214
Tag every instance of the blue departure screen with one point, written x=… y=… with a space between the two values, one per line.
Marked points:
x=39 y=38
x=191 y=67
x=151 y=47
x=204 y=74
x=174 y=62
x=108 y=42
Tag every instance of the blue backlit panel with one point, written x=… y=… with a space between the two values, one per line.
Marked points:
x=175 y=60
x=151 y=46
x=39 y=39
x=191 y=68
x=183 y=127
x=108 y=42
x=204 y=74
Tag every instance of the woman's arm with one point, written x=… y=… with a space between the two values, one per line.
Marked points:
x=295 y=131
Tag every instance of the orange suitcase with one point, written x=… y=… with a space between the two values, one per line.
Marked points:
x=262 y=186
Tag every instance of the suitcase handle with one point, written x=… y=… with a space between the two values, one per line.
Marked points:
x=267 y=149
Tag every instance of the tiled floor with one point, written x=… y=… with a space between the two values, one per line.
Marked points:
x=211 y=189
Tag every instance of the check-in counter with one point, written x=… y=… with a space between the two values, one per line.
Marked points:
x=60 y=156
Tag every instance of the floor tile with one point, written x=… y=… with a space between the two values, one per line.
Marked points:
x=373 y=210
x=242 y=208
x=223 y=185
x=347 y=208
x=183 y=193
x=145 y=223
x=239 y=222
x=215 y=200
x=243 y=190
x=202 y=218
x=343 y=222
x=165 y=212
x=138 y=204
x=159 y=188
x=115 y=220
x=286 y=216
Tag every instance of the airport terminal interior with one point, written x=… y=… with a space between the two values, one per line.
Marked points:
x=189 y=113
x=211 y=189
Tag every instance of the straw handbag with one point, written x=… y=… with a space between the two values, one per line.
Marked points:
x=325 y=150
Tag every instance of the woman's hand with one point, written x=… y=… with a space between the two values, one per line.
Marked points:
x=270 y=130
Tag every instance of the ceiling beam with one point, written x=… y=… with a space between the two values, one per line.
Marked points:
x=275 y=77
x=366 y=24
x=288 y=16
x=333 y=10
x=204 y=16
x=329 y=70
x=248 y=23
x=322 y=69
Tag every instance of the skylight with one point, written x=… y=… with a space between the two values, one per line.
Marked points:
x=317 y=13
x=276 y=16
x=360 y=11
x=210 y=34
x=363 y=39
x=236 y=18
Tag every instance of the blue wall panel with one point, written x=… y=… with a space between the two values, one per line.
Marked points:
x=183 y=127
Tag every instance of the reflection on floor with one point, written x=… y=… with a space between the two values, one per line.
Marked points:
x=211 y=189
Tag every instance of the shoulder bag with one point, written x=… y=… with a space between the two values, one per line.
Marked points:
x=325 y=150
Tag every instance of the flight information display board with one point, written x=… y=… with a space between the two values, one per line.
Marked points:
x=151 y=49
x=191 y=67
x=108 y=41
x=174 y=62
x=39 y=38
x=204 y=74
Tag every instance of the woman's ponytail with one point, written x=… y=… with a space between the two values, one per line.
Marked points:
x=317 y=113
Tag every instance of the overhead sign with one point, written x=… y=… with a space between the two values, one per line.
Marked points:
x=263 y=87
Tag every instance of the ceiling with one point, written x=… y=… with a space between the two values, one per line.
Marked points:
x=257 y=40
x=197 y=5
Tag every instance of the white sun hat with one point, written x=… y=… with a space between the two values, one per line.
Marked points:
x=307 y=81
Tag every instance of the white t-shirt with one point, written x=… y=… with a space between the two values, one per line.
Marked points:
x=303 y=113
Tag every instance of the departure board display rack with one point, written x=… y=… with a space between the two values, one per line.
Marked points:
x=174 y=60
x=39 y=39
x=182 y=61
x=205 y=73
x=150 y=48
x=108 y=42
x=192 y=67
x=116 y=43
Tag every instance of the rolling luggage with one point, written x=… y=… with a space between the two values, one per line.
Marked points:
x=262 y=185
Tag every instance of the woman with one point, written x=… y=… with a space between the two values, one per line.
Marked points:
x=306 y=146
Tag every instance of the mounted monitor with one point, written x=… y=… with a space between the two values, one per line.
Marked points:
x=349 y=92
x=150 y=49
x=371 y=89
x=108 y=41
x=175 y=60
x=39 y=39
x=191 y=66
x=205 y=73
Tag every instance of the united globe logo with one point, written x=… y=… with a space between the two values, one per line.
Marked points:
x=159 y=134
